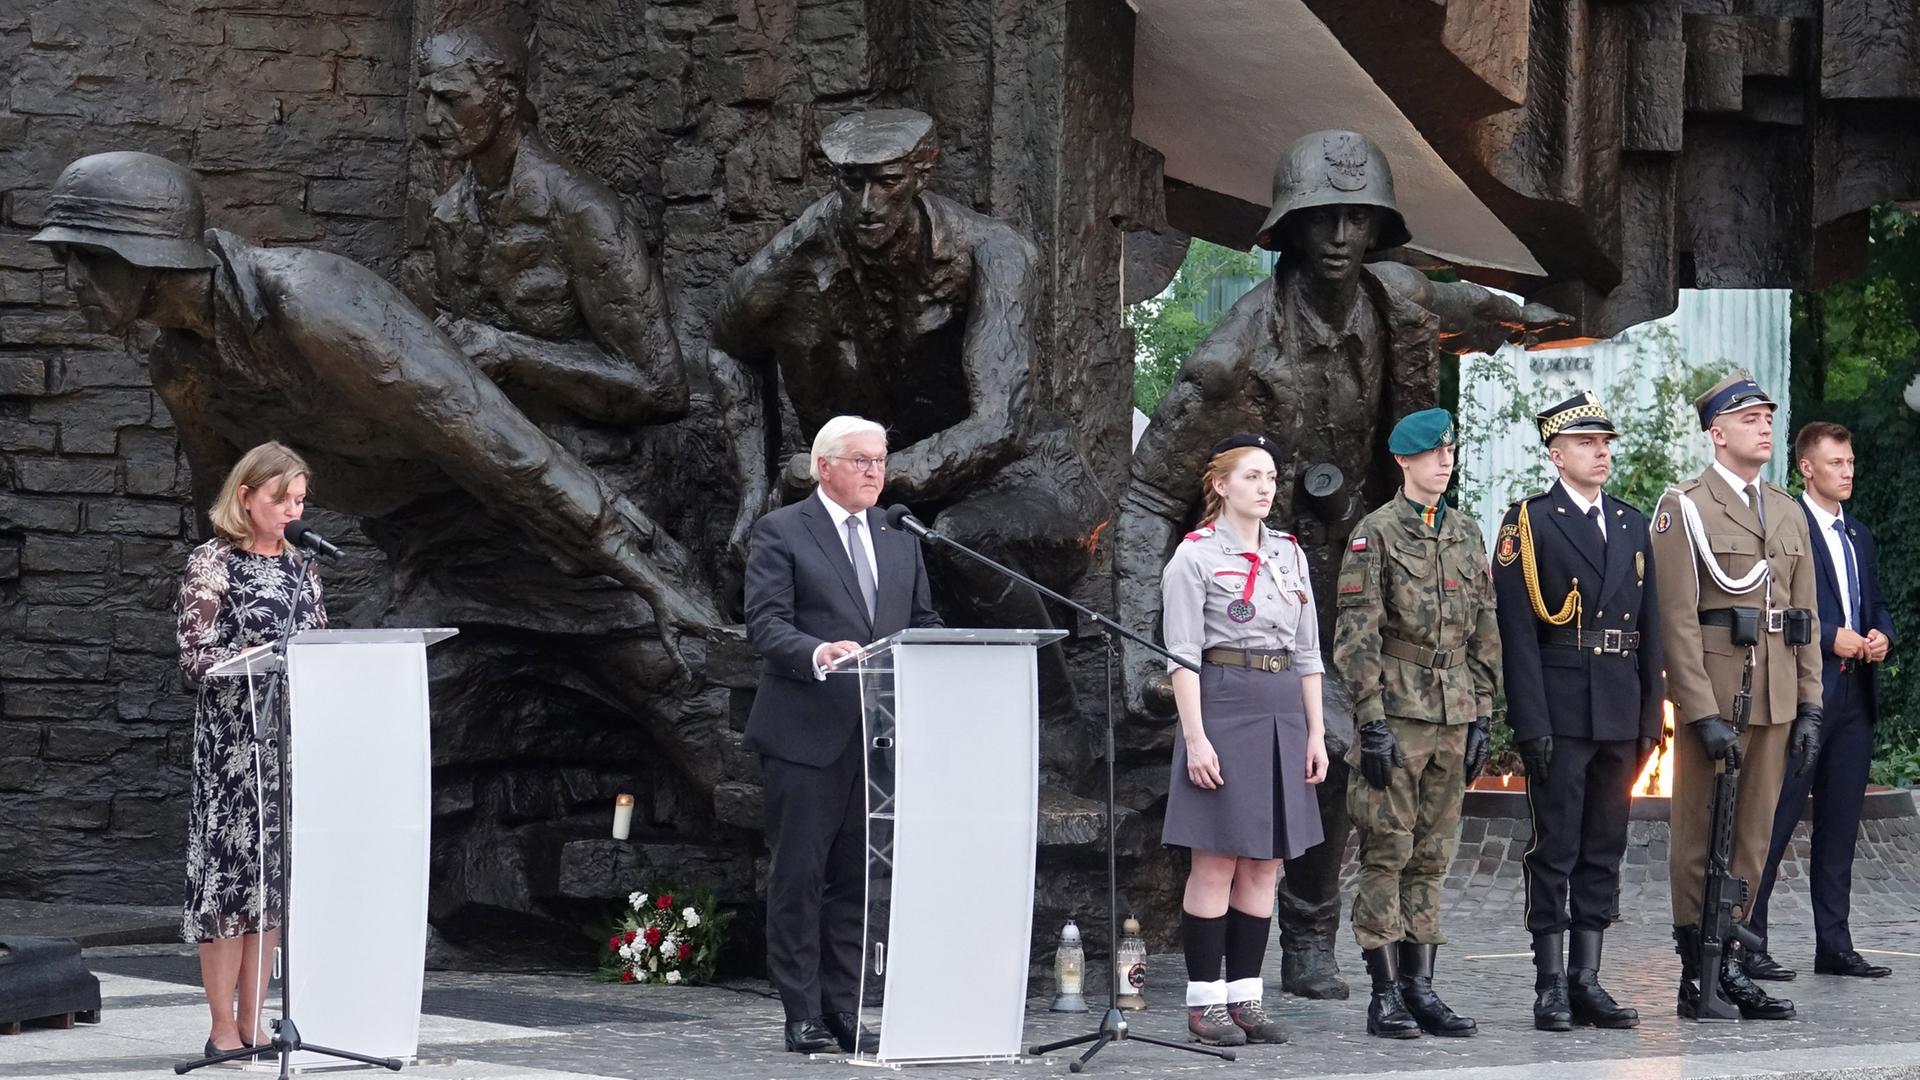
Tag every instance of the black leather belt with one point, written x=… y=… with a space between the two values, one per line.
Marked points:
x=1421 y=654
x=1600 y=641
x=1257 y=659
x=1773 y=620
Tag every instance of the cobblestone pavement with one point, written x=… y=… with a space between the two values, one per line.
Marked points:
x=563 y=1026
x=533 y=1027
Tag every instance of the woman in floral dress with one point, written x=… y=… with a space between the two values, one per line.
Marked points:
x=236 y=597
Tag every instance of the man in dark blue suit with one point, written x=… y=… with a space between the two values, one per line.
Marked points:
x=1582 y=655
x=1856 y=630
x=824 y=577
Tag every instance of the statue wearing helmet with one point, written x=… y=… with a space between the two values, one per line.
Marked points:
x=318 y=351
x=1322 y=356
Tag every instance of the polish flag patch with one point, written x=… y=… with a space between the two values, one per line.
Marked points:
x=1359 y=544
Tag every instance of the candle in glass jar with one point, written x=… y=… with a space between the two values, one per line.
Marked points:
x=622 y=815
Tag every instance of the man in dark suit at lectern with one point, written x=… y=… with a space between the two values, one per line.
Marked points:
x=824 y=577
x=1856 y=630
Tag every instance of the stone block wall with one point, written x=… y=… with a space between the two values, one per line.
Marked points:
x=295 y=116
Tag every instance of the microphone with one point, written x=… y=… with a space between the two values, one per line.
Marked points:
x=899 y=517
x=303 y=535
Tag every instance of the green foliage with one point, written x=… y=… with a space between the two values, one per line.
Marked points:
x=1896 y=755
x=1167 y=328
x=1644 y=459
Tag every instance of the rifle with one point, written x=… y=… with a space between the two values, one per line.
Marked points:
x=1723 y=892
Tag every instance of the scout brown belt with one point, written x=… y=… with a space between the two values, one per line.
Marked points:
x=1600 y=641
x=1257 y=659
x=1420 y=654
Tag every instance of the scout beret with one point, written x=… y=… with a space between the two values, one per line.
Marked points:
x=1581 y=412
x=1417 y=433
x=1235 y=442
x=876 y=137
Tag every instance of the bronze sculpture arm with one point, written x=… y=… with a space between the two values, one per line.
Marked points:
x=1473 y=318
x=997 y=356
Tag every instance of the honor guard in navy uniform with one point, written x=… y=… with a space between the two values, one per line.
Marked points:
x=1580 y=646
x=1736 y=577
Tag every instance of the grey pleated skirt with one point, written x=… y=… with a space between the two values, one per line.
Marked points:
x=1265 y=809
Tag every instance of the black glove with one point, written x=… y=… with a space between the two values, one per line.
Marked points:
x=1719 y=739
x=1379 y=753
x=1648 y=744
x=1804 y=742
x=1537 y=756
x=1479 y=747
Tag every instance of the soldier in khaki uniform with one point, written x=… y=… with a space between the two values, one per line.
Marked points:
x=1418 y=646
x=1725 y=541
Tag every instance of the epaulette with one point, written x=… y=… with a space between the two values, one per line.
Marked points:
x=1771 y=486
x=1201 y=533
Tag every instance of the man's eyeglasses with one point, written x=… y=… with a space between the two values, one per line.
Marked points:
x=862 y=462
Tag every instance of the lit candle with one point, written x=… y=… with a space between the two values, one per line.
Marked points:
x=622 y=815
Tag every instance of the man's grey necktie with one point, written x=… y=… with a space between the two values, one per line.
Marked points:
x=862 y=570
x=1758 y=503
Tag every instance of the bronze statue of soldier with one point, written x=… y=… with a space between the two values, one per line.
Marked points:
x=540 y=272
x=1323 y=356
x=886 y=300
x=302 y=345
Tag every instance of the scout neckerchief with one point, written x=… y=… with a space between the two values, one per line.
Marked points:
x=1432 y=515
x=1242 y=610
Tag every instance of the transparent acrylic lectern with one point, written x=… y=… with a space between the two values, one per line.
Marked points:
x=950 y=723
x=359 y=802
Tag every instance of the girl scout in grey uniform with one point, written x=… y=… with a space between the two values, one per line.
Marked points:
x=1238 y=603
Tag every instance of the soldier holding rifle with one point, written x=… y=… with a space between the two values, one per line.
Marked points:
x=1735 y=576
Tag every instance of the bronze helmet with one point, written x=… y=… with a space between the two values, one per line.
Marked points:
x=143 y=208
x=1334 y=168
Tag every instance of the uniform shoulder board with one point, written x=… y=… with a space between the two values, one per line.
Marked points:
x=1614 y=498
x=1780 y=490
x=1201 y=533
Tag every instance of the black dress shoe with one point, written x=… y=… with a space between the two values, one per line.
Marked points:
x=844 y=1025
x=809 y=1037
x=1848 y=963
x=1753 y=1002
x=1762 y=965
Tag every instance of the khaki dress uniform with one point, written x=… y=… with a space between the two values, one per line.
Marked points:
x=1703 y=667
x=1694 y=563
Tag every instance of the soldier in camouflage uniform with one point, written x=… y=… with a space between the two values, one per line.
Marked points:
x=1417 y=644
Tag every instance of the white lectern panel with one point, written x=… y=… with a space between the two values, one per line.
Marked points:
x=359 y=808
x=966 y=782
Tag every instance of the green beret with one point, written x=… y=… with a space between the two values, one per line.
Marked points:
x=1417 y=433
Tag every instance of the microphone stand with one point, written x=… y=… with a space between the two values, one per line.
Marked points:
x=286 y=1037
x=1113 y=1025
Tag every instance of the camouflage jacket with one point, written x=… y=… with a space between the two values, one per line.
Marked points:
x=1405 y=589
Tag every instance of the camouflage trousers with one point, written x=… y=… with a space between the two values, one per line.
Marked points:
x=1407 y=833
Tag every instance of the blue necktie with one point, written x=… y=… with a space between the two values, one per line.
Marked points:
x=1853 y=576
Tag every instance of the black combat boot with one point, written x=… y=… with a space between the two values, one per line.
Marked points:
x=1588 y=1000
x=1416 y=987
x=1686 y=942
x=1550 y=1009
x=1387 y=1014
x=1754 y=1003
